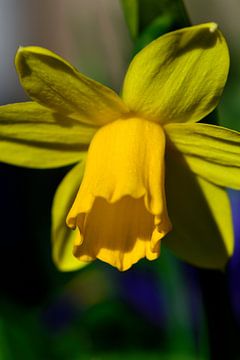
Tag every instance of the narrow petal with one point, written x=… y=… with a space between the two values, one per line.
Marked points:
x=201 y=217
x=53 y=82
x=120 y=208
x=62 y=237
x=33 y=136
x=180 y=76
x=210 y=151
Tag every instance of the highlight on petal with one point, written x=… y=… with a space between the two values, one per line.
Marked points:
x=33 y=136
x=201 y=217
x=179 y=77
x=53 y=82
x=62 y=237
x=120 y=209
x=212 y=152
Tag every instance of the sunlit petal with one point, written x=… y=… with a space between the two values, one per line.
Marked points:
x=212 y=152
x=180 y=76
x=53 y=82
x=33 y=136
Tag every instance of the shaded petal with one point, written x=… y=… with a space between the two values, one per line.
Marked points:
x=212 y=152
x=33 y=136
x=117 y=233
x=124 y=178
x=201 y=217
x=53 y=82
x=62 y=237
x=180 y=76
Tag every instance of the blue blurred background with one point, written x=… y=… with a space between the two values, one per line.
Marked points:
x=164 y=309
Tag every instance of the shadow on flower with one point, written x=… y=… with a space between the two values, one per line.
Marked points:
x=200 y=238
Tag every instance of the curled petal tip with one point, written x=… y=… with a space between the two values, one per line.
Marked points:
x=19 y=49
x=71 y=223
x=213 y=27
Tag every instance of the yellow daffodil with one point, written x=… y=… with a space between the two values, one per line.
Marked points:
x=141 y=145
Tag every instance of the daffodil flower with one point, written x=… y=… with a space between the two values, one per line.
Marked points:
x=151 y=171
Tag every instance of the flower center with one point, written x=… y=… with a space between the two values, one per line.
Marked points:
x=124 y=171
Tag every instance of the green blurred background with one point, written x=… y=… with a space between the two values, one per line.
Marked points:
x=158 y=310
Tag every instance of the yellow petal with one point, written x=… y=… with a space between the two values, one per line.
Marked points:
x=180 y=76
x=62 y=237
x=120 y=208
x=33 y=136
x=201 y=217
x=53 y=82
x=212 y=152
